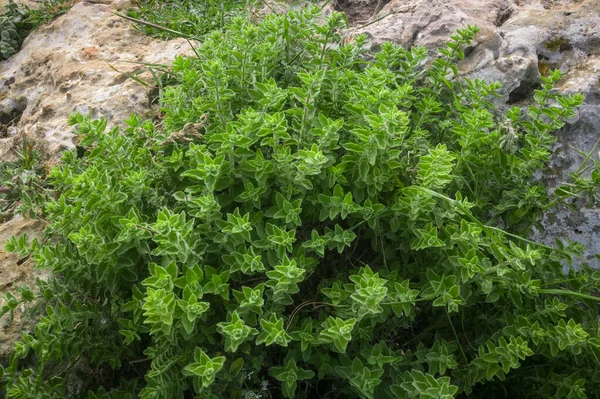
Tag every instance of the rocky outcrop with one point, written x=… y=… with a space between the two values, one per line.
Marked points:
x=518 y=41
x=28 y=3
x=65 y=66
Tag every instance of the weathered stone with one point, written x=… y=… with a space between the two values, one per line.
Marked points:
x=430 y=22
x=66 y=66
x=28 y=3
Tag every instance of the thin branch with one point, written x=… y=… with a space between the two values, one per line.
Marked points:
x=551 y=291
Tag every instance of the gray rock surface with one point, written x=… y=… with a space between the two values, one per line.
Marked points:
x=28 y=3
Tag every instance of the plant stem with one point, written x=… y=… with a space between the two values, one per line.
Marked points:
x=551 y=291
x=456 y=337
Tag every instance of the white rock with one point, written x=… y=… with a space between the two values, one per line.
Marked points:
x=64 y=66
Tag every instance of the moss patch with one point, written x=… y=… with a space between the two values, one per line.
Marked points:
x=558 y=44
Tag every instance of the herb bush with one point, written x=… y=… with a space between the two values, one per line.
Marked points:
x=311 y=220
x=49 y=10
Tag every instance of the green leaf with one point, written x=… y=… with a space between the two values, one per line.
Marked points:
x=235 y=332
x=236 y=367
x=273 y=332
x=204 y=368
x=289 y=375
x=338 y=332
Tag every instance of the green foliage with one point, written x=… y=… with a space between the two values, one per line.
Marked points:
x=48 y=10
x=22 y=186
x=289 y=375
x=204 y=368
x=192 y=18
x=311 y=219
x=13 y=29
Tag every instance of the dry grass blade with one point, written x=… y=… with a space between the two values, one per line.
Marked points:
x=150 y=24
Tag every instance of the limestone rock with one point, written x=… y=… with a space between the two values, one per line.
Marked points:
x=65 y=66
x=430 y=22
x=28 y=3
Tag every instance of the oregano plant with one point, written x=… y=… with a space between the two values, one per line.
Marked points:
x=311 y=219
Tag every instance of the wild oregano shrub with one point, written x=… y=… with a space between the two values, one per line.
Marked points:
x=311 y=220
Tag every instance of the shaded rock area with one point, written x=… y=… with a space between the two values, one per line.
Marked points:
x=65 y=66
x=519 y=41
